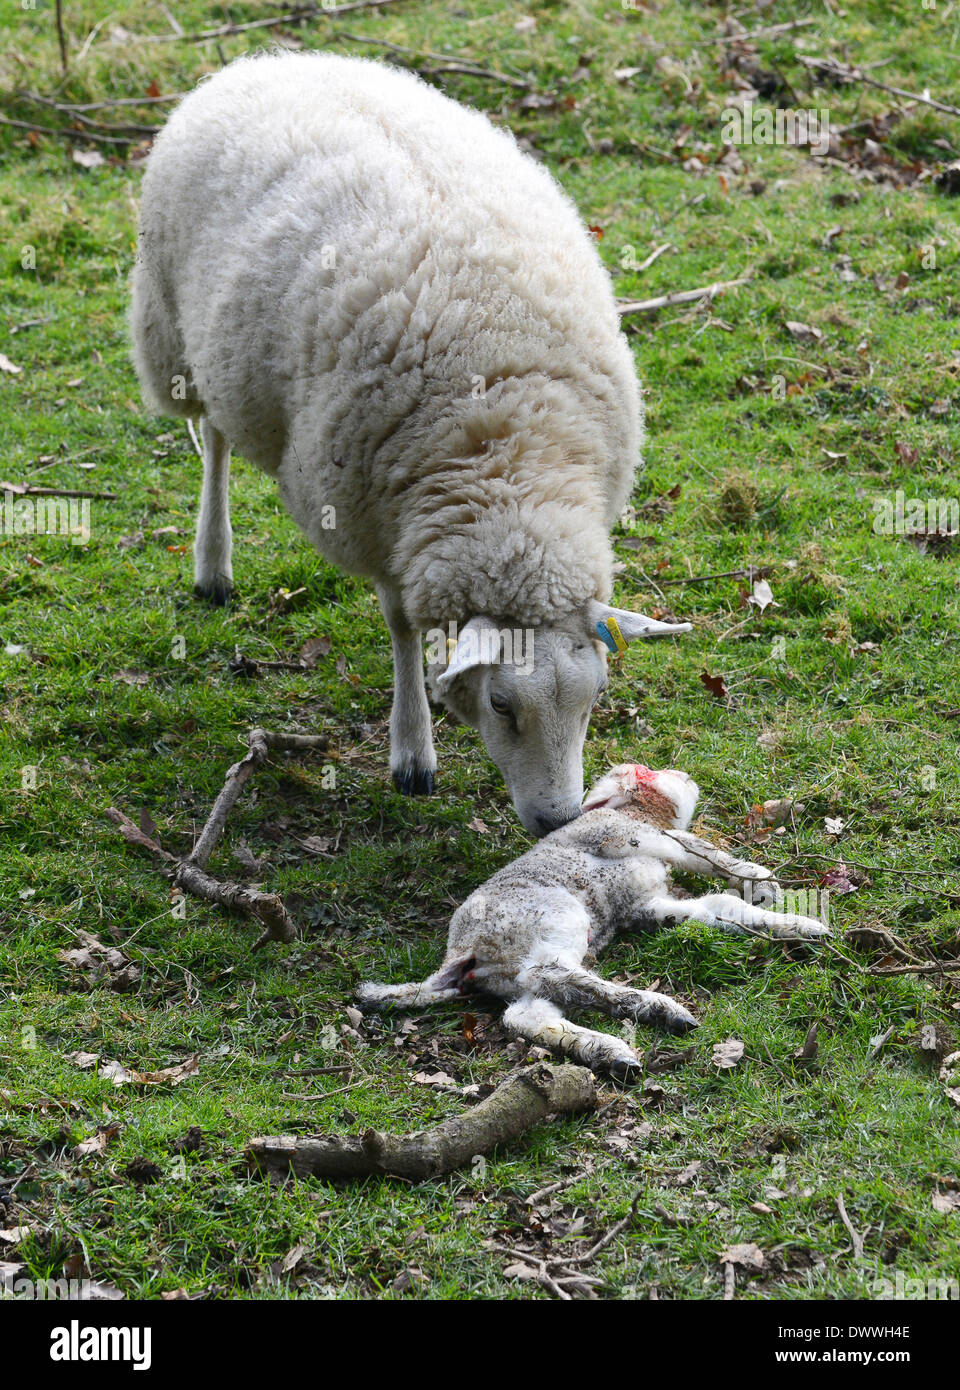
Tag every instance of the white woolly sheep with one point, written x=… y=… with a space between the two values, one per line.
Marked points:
x=373 y=294
x=530 y=932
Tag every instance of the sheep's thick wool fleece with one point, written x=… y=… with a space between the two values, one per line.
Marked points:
x=376 y=296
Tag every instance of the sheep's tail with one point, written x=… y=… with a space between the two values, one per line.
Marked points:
x=447 y=983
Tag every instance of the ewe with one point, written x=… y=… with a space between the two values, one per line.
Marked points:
x=531 y=931
x=370 y=292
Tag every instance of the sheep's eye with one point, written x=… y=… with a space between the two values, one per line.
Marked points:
x=499 y=704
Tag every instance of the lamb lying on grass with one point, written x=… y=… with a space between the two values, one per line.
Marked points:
x=531 y=931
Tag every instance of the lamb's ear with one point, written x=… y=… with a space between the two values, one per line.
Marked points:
x=606 y=624
x=478 y=644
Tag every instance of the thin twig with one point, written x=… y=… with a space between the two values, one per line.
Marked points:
x=66 y=132
x=855 y=1238
x=768 y=32
x=665 y=301
x=450 y=64
x=853 y=74
x=61 y=37
x=295 y=16
x=85 y=121
x=28 y=490
x=754 y=572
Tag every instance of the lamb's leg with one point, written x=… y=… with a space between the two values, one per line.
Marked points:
x=687 y=851
x=542 y=1023
x=581 y=989
x=412 y=759
x=212 y=568
x=732 y=914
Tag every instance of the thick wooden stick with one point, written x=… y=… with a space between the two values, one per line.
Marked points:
x=524 y=1099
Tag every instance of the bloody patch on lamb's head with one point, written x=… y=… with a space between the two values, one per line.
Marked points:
x=636 y=790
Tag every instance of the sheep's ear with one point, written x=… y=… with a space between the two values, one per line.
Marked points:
x=478 y=644
x=607 y=624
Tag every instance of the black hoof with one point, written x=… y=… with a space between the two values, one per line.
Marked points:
x=625 y=1071
x=680 y=1026
x=413 y=781
x=218 y=592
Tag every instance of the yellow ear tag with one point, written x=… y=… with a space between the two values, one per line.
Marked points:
x=614 y=630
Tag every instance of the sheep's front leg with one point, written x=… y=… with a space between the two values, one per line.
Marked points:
x=212 y=565
x=734 y=915
x=412 y=759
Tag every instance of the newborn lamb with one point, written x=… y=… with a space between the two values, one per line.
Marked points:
x=532 y=931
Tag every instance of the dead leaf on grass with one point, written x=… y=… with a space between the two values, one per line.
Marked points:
x=727 y=1054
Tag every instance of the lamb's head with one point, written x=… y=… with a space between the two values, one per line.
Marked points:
x=666 y=798
x=530 y=692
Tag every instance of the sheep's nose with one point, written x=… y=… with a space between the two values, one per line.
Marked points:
x=554 y=821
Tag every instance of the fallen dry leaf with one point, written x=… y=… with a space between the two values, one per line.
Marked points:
x=13 y=1235
x=715 y=684
x=122 y=1076
x=762 y=596
x=727 y=1054
x=88 y=159
x=97 y=1143
x=440 y=1079
x=94 y=963
x=803 y=332
x=313 y=650
x=7 y=366
x=746 y=1256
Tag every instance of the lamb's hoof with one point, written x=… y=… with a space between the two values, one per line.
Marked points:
x=217 y=591
x=625 y=1069
x=413 y=781
x=681 y=1022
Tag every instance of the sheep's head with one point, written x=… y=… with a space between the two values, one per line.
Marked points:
x=529 y=694
x=666 y=798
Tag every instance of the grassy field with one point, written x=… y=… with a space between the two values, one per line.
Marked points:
x=769 y=446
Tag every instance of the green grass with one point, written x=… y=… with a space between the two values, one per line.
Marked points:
x=850 y=730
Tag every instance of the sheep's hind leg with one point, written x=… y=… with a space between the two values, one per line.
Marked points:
x=212 y=566
x=542 y=1023
x=412 y=759
x=575 y=987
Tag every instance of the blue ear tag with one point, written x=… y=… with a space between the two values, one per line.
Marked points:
x=609 y=633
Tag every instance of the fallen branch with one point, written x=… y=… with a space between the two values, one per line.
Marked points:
x=28 y=490
x=67 y=132
x=523 y=1100
x=76 y=114
x=832 y=68
x=666 y=301
x=450 y=64
x=754 y=572
x=295 y=16
x=191 y=874
x=769 y=31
